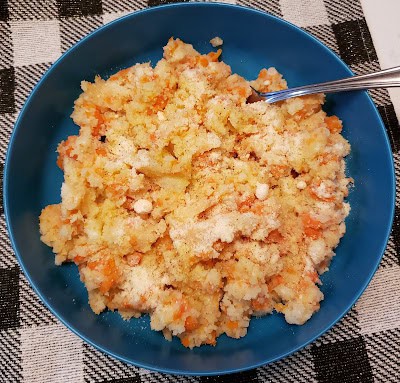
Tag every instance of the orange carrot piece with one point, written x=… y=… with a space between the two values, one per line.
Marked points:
x=60 y=162
x=260 y=303
x=274 y=236
x=312 y=233
x=185 y=341
x=182 y=308
x=79 y=259
x=203 y=61
x=242 y=92
x=309 y=221
x=93 y=265
x=333 y=124
x=100 y=121
x=101 y=151
x=191 y=323
x=278 y=171
x=245 y=205
x=232 y=325
x=263 y=75
x=312 y=227
x=110 y=272
x=213 y=56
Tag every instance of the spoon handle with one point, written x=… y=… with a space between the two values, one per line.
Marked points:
x=382 y=79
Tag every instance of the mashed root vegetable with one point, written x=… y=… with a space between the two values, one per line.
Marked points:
x=182 y=201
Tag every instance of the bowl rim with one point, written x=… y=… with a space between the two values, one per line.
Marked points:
x=145 y=365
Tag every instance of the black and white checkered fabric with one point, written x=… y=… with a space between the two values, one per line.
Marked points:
x=35 y=347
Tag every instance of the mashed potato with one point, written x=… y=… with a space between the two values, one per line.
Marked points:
x=182 y=201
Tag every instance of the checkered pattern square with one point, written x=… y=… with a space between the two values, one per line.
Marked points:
x=305 y=13
x=44 y=351
x=34 y=347
x=9 y=292
x=354 y=41
x=7 y=86
x=72 y=8
x=343 y=361
x=35 y=41
x=3 y=10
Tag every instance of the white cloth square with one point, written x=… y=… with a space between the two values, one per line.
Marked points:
x=304 y=13
x=51 y=354
x=108 y=17
x=379 y=307
x=35 y=41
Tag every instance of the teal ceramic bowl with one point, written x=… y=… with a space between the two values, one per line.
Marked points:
x=252 y=40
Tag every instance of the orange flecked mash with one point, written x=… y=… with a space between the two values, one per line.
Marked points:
x=183 y=201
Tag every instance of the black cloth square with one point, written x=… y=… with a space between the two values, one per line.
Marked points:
x=9 y=298
x=344 y=362
x=3 y=10
x=70 y=8
x=354 y=41
x=396 y=232
x=241 y=377
x=7 y=88
x=154 y=3
x=392 y=125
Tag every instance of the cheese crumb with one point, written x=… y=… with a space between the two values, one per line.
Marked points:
x=262 y=191
x=142 y=206
x=301 y=185
x=322 y=191
x=317 y=251
x=216 y=41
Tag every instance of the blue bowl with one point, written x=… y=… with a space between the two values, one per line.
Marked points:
x=252 y=40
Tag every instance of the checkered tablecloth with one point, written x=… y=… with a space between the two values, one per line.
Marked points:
x=35 y=347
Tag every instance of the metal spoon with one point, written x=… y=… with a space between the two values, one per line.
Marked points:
x=383 y=79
